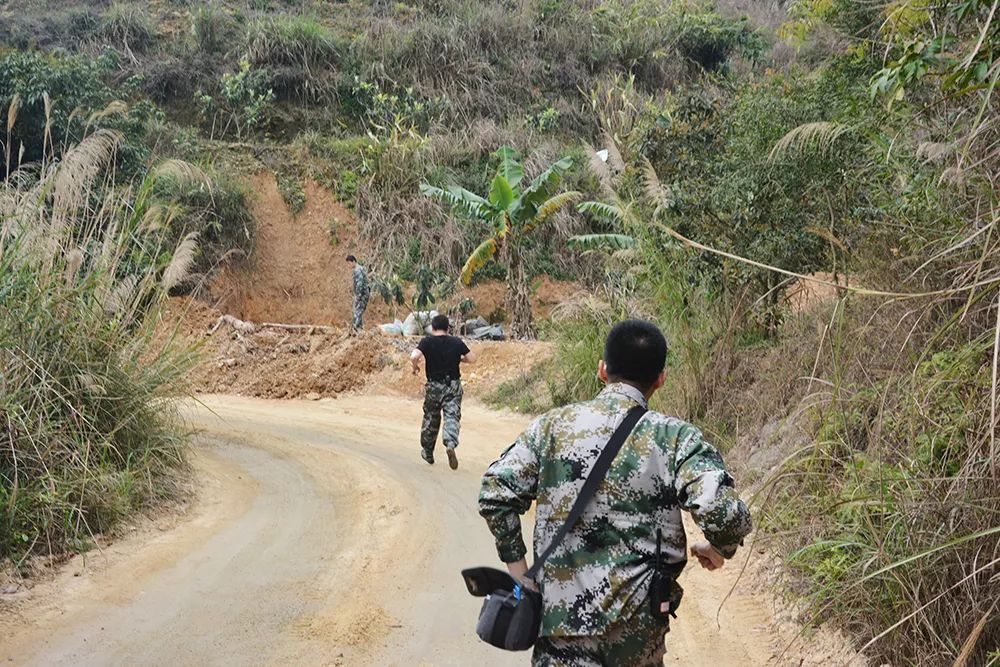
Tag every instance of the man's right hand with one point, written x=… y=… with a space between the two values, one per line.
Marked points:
x=518 y=569
x=707 y=555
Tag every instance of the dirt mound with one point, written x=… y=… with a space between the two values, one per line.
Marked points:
x=496 y=362
x=250 y=359
x=271 y=362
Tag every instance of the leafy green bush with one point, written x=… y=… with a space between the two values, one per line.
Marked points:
x=380 y=111
x=290 y=187
x=210 y=204
x=243 y=104
x=710 y=39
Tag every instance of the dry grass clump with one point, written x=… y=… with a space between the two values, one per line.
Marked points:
x=128 y=26
x=299 y=49
x=87 y=431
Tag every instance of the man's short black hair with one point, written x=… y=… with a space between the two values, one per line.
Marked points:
x=352 y=258
x=635 y=352
x=440 y=323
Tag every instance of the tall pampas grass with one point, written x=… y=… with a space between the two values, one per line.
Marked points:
x=88 y=432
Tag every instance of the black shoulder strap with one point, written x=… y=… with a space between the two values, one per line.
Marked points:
x=594 y=479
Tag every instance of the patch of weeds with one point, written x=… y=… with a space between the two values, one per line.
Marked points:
x=347 y=185
x=334 y=227
x=545 y=121
x=527 y=393
x=292 y=192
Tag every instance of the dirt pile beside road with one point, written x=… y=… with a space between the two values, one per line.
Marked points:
x=248 y=359
x=251 y=359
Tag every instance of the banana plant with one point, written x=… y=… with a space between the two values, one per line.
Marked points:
x=511 y=211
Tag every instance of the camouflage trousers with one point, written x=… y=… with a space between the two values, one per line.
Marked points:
x=637 y=642
x=360 y=303
x=441 y=396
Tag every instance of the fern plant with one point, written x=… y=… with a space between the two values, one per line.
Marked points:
x=512 y=212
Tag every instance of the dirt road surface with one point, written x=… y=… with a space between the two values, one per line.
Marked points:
x=321 y=538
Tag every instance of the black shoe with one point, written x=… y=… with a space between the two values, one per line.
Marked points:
x=427 y=456
x=452 y=458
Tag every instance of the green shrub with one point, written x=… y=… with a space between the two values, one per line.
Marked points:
x=212 y=205
x=290 y=187
x=244 y=102
x=710 y=39
x=69 y=96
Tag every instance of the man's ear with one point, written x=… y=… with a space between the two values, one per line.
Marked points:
x=660 y=380
x=602 y=371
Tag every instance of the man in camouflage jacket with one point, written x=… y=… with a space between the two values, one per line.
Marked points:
x=595 y=586
x=361 y=291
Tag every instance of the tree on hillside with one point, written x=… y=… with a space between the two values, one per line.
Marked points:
x=512 y=213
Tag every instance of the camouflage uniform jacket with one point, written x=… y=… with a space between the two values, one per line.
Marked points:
x=361 y=288
x=599 y=575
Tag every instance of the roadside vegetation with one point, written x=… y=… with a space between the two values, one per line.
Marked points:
x=802 y=194
x=87 y=433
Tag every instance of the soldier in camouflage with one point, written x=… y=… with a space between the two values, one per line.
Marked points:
x=361 y=291
x=443 y=355
x=595 y=585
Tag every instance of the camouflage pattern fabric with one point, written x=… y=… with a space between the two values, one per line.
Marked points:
x=637 y=643
x=362 y=292
x=599 y=576
x=441 y=397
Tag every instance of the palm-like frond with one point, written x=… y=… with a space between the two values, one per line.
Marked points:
x=478 y=259
x=552 y=206
x=607 y=212
x=501 y=194
x=605 y=242
x=821 y=136
x=509 y=167
x=461 y=199
x=538 y=190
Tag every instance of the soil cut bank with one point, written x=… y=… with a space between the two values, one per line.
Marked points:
x=322 y=539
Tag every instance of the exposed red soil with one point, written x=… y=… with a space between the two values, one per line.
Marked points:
x=275 y=363
x=297 y=274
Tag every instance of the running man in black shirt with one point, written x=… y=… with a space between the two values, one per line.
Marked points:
x=443 y=393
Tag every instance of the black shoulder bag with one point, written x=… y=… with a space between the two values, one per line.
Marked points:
x=511 y=616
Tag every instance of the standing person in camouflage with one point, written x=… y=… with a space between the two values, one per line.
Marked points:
x=595 y=585
x=444 y=355
x=361 y=291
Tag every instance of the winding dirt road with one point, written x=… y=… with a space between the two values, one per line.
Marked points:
x=321 y=538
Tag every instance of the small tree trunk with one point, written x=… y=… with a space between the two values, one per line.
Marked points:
x=517 y=300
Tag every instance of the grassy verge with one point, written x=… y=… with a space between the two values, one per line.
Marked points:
x=88 y=433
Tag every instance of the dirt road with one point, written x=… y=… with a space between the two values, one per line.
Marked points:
x=320 y=538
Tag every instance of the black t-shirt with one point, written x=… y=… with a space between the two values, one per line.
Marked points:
x=442 y=355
